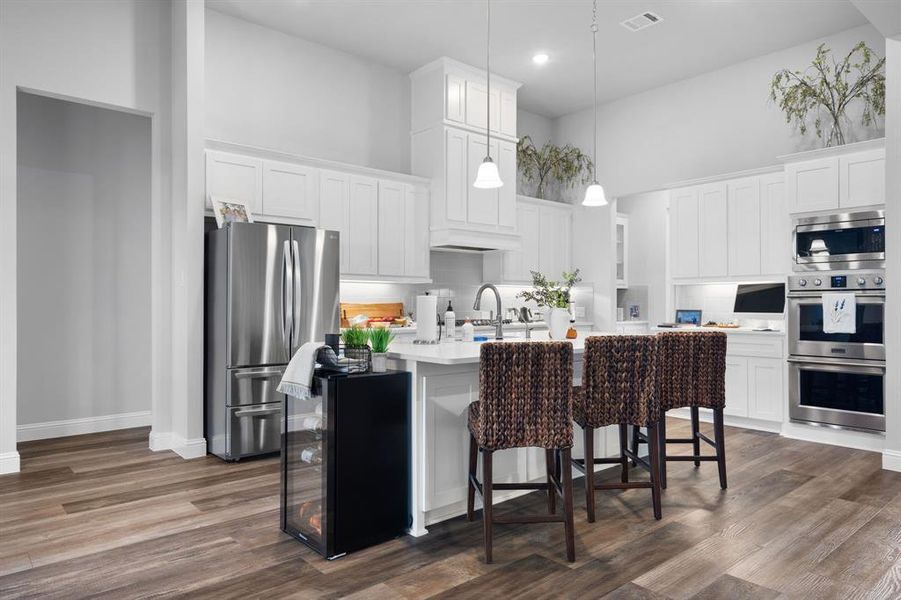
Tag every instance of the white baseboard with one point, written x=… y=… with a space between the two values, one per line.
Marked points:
x=160 y=441
x=188 y=449
x=55 y=429
x=9 y=462
x=706 y=416
x=891 y=460
x=846 y=438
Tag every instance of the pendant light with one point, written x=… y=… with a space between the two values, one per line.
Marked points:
x=488 y=176
x=594 y=194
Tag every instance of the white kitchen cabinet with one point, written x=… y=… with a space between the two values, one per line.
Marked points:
x=554 y=241
x=455 y=109
x=392 y=229
x=684 y=232
x=861 y=178
x=775 y=226
x=457 y=184
x=334 y=201
x=446 y=440
x=743 y=231
x=482 y=205
x=507 y=125
x=235 y=176
x=362 y=226
x=712 y=230
x=812 y=185
x=622 y=251
x=292 y=191
x=416 y=231
x=736 y=386
x=506 y=195
x=766 y=393
x=477 y=110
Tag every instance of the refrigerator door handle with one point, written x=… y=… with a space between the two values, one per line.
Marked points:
x=287 y=298
x=298 y=295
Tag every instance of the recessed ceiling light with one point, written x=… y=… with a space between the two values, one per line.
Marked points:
x=540 y=58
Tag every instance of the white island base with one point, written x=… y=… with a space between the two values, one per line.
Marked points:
x=445 y=381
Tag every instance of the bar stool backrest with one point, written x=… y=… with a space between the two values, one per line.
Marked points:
x=691 y=369
x=525 y=395
x=618 y=380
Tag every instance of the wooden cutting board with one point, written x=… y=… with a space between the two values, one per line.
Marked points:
x=349 y=310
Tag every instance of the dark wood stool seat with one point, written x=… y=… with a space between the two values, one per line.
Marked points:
x=525 y=400
x=691 y=374
x=618 y=388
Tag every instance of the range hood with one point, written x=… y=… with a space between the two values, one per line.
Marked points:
x=452 y=239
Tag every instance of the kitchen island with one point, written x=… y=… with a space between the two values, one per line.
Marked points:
x=445 y=381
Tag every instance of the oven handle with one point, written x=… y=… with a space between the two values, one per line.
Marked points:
x=838 y=364
x=859 y=294
x=833 y=225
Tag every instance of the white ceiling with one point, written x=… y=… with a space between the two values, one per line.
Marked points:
x=696 y=36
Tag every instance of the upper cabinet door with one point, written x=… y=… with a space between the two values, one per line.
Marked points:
x=362 y=226
x=775 y=226
x=334 y=201
x=291 y=191
x=518 y=264
x=508 y=113
x=455 y=109
x=476 y=107
x=457 y=182
x=862 y=179
x=743 y=212
x=482 y=205
x=506 y=165
x=554 y=242
x=712 y=225
x=684 y=232
x=391 y=228
x=236 y=177
x=812 y=185
x=416 y=234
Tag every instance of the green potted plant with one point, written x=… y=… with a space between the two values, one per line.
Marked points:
x=356 y=344
x=380 y=339
x=830 y=86
x=555 y=297
x=562 y=164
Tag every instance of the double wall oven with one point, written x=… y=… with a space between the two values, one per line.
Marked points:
x=837 y=379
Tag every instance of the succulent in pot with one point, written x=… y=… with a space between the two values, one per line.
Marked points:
x=380 y=339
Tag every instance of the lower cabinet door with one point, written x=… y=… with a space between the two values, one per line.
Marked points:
x=736 y=386
x=765 y=388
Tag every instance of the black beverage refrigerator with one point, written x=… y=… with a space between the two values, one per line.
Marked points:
x=346 y=462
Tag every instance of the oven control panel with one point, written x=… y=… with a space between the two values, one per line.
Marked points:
x=837 y=281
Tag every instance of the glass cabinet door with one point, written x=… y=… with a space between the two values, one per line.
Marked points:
x=305 y=469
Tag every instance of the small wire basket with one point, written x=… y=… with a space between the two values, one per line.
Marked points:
x=359 y=358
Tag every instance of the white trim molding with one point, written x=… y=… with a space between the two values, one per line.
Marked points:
x=187 y=449
x=891 y=460
x=9 y=463
x=159 y=441
x=67 y=427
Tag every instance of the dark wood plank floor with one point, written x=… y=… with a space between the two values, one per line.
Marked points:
x=100 y=515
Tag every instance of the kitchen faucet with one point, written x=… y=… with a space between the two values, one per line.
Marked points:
x=499 y=333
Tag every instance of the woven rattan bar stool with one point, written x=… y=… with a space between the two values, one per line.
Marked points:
x=618 y=388
x=691 y=373
x=525 y=400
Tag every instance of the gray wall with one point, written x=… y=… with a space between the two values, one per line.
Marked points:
x=83 y=261
x=269 y=89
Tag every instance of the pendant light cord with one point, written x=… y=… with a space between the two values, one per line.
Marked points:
x=594 y=60
x=488 y=93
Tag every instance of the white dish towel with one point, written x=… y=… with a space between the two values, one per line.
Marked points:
x=839 y=313
x=298 y=375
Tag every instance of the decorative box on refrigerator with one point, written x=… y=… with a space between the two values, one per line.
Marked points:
x=346 y=462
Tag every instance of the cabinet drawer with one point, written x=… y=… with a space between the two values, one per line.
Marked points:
x=754 y=345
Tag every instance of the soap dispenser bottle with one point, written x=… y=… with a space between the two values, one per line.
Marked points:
x=450 y=322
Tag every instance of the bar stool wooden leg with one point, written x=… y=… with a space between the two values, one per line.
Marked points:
x=661 y=434
x=635 y=442
x=589 y=472
x=720 y=440
x=654 y=456
x=487 y=508
x=623 y=458
x=695 y=429
x=470 y=487
x=550 y=467
x=567 y=485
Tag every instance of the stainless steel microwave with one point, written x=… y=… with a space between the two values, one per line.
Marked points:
x=839 y=241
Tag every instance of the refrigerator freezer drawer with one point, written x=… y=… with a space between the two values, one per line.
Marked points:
x=253 y=430
x=254 y=385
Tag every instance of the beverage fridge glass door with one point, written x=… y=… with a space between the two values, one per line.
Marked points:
x=305 y=464
x=257 y=280
x=315 y=277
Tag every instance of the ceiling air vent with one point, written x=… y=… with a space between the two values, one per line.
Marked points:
x=639 y=22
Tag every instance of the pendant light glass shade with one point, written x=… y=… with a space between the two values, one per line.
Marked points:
x=594 y=195
x=488 y=176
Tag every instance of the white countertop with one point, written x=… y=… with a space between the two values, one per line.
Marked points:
x=727 y=330
x=459 y=353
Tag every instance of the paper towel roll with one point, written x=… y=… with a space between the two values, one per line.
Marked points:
x=427 y=318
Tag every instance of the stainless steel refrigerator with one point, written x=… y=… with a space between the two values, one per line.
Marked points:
x=269 y=289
